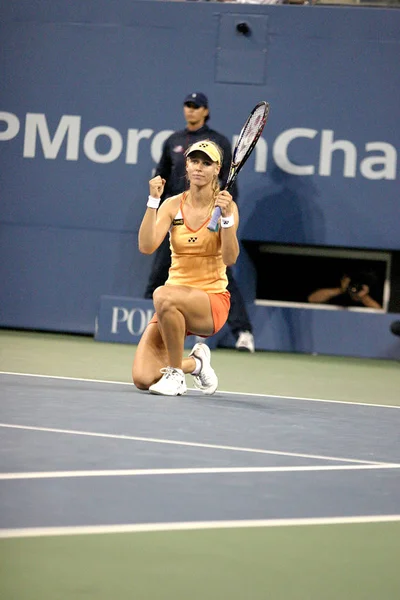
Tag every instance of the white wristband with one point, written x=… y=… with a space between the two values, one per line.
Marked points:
x=153 y=202
x=227 y=221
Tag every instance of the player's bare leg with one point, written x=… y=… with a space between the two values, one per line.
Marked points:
x=160 y=351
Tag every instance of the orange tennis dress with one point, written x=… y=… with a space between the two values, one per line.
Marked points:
x=196 y=261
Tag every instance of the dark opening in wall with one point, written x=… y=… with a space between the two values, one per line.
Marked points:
x=292 y=273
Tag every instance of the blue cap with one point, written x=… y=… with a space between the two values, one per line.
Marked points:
x=197 y=98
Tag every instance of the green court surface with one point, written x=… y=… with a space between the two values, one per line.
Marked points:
x=320 y=562
x=296 y=375
x=352 y=561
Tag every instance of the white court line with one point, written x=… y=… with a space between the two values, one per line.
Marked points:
x=195 y=525
x=188 y=471
x=218 y=392
x=192 y=444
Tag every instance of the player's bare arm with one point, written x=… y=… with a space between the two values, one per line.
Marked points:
x=229 y=224
x=156 y=222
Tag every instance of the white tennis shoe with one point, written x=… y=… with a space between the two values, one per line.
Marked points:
x=206 y=380
x=172 y=383
x=245 y=341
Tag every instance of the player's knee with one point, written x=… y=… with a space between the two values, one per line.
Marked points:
x=142 y=383
x=163 y=299
x=144 y=378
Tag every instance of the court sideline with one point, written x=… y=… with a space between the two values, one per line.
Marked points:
x=289 y=375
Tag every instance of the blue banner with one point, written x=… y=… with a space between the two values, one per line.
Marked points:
x=88 y=98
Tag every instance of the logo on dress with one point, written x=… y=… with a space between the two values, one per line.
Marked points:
x=179 y=149
x=177 y=222
x=192 y=239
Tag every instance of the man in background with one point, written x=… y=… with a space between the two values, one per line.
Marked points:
x=352 y=291
x=172 y=168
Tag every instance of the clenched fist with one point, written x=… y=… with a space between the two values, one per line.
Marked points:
x=156 y=186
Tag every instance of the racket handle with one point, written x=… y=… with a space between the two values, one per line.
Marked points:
x=213 y=224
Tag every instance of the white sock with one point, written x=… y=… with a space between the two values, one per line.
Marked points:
x=197 y=368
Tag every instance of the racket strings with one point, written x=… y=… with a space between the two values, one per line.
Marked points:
x=250 y=132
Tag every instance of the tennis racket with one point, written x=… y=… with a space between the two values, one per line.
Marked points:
x=245 y=145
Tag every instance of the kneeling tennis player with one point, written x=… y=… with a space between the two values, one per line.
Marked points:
x=194 y=299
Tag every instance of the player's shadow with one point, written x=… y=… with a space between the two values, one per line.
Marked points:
x=285 y=210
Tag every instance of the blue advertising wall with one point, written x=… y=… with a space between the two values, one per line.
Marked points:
x=88 y=94
x=277 y=328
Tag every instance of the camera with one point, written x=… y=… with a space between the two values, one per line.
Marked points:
x=354 y=287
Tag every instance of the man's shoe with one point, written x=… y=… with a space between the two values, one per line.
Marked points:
x=245 y=342
x=172 y=383
x=206 y=380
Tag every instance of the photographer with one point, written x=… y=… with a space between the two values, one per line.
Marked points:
x=353 y=291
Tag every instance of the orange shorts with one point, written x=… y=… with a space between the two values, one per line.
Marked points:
x=220 y=305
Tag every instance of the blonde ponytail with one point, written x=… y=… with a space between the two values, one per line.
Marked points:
x=215 y=187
